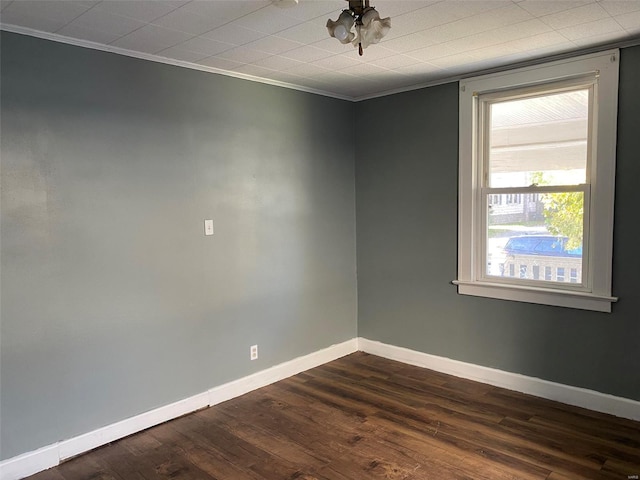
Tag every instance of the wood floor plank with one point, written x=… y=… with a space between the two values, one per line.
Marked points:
x=589 y=421
x=274 y=442
x=574 y=443
x=466 y=445
x=201 y=452
x=166 y=461
x=622 y=469
x=363 y=417
x=89 y=467
x=420 y=394
x=335 y=435
x=51 y=474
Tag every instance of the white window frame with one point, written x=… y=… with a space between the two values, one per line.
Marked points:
x=595 y=291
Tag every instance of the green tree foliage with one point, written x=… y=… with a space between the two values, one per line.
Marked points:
x=563 y=213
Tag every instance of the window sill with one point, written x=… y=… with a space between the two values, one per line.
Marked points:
x=543 y=296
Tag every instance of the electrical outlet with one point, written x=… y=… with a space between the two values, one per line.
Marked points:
x=254 y=352
x=208 y=227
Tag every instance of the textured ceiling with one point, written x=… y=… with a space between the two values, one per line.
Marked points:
x=429 y=41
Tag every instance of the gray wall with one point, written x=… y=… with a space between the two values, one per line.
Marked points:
x=406 y=210
x=113 y=301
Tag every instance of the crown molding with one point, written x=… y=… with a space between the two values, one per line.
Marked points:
x=54 y=37
x=509 y=66
x=194 y=66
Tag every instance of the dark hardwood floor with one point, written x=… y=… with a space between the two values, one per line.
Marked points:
x=365 y=417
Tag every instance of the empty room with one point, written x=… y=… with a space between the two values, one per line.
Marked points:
x=319 y=239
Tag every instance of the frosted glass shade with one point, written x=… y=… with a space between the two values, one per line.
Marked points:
x=373 y=28
x=341 y=28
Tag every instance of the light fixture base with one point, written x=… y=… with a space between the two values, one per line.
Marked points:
x=369 y=27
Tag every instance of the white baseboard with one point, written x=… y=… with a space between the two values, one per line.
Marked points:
x=38 y=460
x=279 y=372
x=580 y=397
x=29 y=463
x=88 y=441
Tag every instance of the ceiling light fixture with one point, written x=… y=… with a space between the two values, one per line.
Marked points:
x=370 y=28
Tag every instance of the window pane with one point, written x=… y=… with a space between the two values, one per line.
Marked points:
x=574 y=275
x=560 y=274
x=541 y=140
x=536 y=233
x=547 y=273
x=523 y=270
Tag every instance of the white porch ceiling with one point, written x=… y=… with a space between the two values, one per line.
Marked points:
x=430 y=41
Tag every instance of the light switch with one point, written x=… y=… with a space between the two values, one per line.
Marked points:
x=208 y=227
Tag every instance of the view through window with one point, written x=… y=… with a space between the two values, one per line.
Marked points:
x=536 y=161
x=537 y=153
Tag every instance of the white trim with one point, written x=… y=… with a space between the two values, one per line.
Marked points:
x=602 y=71
x=29 y=463
x=88 y=441
x=194 y=66
x=159 y=59
x=542 y=296
x=38 y=460
x=503 y=68
x=274 y=374
x=581 y=397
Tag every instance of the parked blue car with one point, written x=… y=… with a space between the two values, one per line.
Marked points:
x=541 y=257
x=540 y=245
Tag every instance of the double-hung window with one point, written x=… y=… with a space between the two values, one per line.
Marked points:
x=536 y=186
